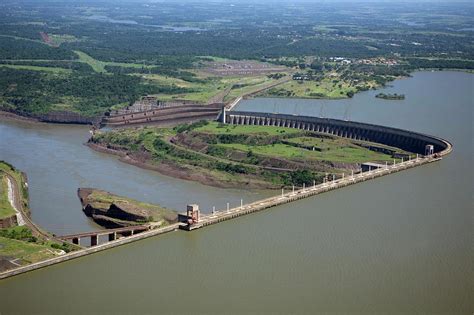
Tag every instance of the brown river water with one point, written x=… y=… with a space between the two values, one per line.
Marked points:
x=401 y=244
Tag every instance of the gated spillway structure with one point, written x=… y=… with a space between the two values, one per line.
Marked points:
x=407 y=140
x=428 y=148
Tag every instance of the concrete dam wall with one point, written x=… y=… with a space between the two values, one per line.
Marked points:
x=403 y=139
x=165 y=116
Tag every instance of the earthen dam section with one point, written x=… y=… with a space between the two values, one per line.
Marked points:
x=165 y=116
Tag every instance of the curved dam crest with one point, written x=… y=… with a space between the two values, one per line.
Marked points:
x=407 y=140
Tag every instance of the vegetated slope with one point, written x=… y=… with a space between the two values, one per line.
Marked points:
x=240 y=156
x=33 y=93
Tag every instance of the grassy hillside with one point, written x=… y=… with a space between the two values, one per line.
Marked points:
x=232 y=155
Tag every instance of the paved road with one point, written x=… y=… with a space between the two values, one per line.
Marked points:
x=16 y=199
x=15 y=203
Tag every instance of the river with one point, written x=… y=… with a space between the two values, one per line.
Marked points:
x=398 y=244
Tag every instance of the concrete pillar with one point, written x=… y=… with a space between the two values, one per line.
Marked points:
x=94 y=240
x=76 y=240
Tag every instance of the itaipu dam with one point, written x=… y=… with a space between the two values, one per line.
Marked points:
x=428 y=149
x=403 y=139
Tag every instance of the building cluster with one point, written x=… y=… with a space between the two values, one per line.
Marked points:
x=149 y=103
x=378 y=61
x=341 y=60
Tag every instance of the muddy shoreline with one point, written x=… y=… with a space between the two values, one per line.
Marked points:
x=52 y=118
x=12 y=116
x=174 y=171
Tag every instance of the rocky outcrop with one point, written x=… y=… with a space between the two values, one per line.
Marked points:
x=8 y=222
x=113 y=211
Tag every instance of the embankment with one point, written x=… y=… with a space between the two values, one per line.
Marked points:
x=169 y=169
x=88 y=251
x=53 y=117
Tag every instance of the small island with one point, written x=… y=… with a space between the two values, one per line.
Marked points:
x=112 y=211
x=389 y=96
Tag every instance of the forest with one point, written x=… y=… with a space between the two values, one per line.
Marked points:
x=89 y=56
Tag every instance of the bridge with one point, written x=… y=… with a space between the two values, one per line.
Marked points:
x=111 y=233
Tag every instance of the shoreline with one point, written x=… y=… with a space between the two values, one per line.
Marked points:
x=15 y=117
x=252 y=95
x=34 y=120
x=174 y=171
x=88 y=251
x=223 y=215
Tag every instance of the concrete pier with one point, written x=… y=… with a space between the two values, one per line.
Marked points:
x=90 y=250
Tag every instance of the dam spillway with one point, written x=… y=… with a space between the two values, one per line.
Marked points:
x=407 y=140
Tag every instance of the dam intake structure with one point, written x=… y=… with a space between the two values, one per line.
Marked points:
x=394 y=137
x=428 y=149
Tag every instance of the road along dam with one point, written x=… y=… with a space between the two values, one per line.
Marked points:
x=428 y=149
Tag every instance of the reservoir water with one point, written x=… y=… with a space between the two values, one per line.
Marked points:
x=398 y=244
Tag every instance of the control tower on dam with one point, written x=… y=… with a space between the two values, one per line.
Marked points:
x=403 y=139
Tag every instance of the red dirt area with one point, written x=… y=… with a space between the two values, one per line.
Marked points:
x=45 y=37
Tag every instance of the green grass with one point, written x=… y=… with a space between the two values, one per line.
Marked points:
x=54 y=70
x=336 y=150
x=216 y=128
x=252 y=84
x=20 y=180
x=59 y=39
x=99 y=66
x=27 y=252
x=6 y=210
x=313 y=89
x=102 y=199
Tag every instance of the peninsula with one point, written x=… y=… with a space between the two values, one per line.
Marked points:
x=242 y=156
